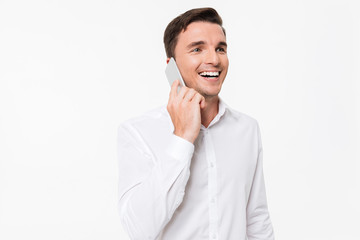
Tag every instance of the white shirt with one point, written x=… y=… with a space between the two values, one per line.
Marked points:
x=171 y=189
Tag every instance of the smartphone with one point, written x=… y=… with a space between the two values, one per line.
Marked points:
x=172 y=73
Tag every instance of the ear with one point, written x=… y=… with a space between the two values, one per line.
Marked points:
x=167 y=60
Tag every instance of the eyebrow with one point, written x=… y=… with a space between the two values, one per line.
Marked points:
x=193 y=44
x=198 y=43
x=222 y=44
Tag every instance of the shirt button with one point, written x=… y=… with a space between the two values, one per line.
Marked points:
x=214 y=236
x=212 y=200
x=211 y=164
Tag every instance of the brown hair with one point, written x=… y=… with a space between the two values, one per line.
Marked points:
x=180 y=23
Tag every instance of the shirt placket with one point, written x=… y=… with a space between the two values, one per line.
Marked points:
x=212 y=186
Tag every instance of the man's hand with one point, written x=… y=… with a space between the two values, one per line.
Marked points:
x=184 y=109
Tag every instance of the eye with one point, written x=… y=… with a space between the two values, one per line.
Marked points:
x=220 y=49
x=196 y=50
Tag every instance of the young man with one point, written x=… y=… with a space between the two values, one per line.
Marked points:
x=193 y=170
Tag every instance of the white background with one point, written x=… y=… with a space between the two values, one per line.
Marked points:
x=72 y=71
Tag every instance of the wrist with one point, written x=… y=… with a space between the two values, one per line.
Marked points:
x=187 y=136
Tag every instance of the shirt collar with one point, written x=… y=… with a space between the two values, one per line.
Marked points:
x=222 y=109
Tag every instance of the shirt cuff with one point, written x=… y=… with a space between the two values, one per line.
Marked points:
x=180 y=148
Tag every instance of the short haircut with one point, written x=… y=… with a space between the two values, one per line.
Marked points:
x=180 y=23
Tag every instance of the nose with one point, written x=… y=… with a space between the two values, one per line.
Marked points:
x=212 y=57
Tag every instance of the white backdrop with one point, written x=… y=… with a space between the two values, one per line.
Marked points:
x=71 y=71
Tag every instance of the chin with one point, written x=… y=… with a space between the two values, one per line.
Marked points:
x=210 y=93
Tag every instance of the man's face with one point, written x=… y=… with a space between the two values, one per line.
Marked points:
x=201 y=56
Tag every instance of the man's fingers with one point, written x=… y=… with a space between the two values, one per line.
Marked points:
x=185 y=93
x=182 y=92
x=190 y=94
x=198 y=98
x=174 y=87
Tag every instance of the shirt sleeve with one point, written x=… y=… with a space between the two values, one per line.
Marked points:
x=259 y=225
x=150 y=188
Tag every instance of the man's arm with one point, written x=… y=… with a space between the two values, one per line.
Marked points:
x=259 y=226
x=150 y=189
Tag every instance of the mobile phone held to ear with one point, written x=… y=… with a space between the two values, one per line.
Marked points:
x=172 y=73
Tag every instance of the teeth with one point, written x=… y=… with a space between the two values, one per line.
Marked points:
x=213 y=74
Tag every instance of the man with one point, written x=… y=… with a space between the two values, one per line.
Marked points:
x=193 y=170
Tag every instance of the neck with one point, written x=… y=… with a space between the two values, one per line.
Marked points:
x=210 y=111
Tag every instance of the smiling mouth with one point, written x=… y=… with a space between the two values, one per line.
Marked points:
x=210 y=75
